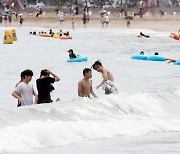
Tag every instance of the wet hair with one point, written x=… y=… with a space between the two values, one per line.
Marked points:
x=141 y=53
x=96 y=63
x=86 y=70
x=44 y=73
x=156 y=53
x=34 y=33
x=26 y=73
x=70 y=50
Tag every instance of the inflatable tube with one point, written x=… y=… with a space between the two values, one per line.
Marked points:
x=139 y=57
x=177 y=63
x=56 y=36
x=80 y=58
x=66 y=37
x=45 y=35
x=156 y=58
x=140 y=36
x=175 y=36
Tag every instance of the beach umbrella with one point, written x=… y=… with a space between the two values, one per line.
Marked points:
x=4 y=14
x=129 y=17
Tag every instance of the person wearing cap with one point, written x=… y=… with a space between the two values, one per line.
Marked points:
x=71 y=54
x=44 y=86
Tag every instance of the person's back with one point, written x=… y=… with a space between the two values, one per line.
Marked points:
x=44 y=88
x=109 y=74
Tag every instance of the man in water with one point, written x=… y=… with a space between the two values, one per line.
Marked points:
x=107 y=83
x=72 y=54
x=24 y=91
x=85 y=85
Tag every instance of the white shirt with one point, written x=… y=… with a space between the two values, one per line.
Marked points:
x=61 y=16
x=106 y=18
x=26 y=92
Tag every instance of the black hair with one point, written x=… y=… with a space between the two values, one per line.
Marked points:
x=86 y=70
x=44 y=72
x=156 y=53
x=26 y=73
x=70 y=50
x=141 y=53
x=96 y=63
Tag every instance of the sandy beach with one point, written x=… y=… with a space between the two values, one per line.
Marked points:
x=50 y=20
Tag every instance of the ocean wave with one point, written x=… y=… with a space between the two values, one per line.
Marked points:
x=83 y=119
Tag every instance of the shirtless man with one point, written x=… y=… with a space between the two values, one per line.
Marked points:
x=108 y=79
x=85 y=85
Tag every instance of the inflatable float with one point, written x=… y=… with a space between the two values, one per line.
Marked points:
x=174 y=35
x=64 y=37
x=177 y=63
x=139 y=57
x=56 y=36
x=45 y=35
x=80 y=58
x=156 y=58
x=150 y=58
x=140 y=36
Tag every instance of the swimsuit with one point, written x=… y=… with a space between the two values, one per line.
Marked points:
x=109 y=88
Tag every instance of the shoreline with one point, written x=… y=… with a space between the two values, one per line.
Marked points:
x=50 y=20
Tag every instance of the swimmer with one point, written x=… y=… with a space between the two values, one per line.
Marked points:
x=85 y=85
x=108 y=80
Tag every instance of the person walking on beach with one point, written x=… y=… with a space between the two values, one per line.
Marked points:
x=108 y=80
x=106 y=19
x=85 y=85
x=24 y=90
x=84 y=19
x=61 y=17
x=1 y=18
x=128 y=23
x=44 y=86
x=21 y=20
x=72 y=21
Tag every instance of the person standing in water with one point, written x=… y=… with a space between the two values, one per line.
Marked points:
x=85 y=85
x=108 y=80
x=24 y=90
x=44 y=86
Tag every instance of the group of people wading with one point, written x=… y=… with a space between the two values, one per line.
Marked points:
x=24 y=90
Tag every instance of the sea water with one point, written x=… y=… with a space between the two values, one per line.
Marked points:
x=147 y=103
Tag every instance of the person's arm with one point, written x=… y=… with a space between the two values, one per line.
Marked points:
x=92 y=92
x=54 y=75
x=80 y=89
x=17 y=95
x=105 y=78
